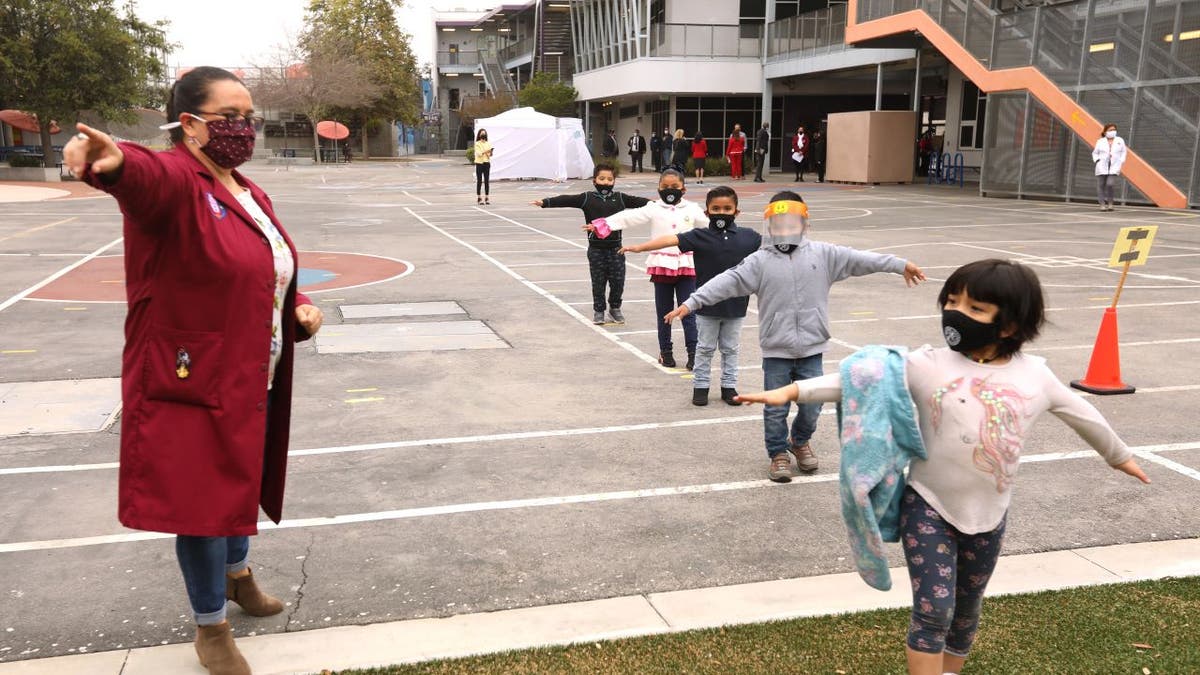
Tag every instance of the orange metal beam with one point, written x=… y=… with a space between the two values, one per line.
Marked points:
x=1152 y=183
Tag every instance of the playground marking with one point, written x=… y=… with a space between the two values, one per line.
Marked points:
x=1147 y=452
x=571 y=311
x=408 y=194
x=50 y=279
x=39 y=228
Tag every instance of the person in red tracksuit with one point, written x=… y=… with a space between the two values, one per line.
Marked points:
x=735 y=149
x=699 y=154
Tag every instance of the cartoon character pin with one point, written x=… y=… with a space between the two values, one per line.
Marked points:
x=183 y=362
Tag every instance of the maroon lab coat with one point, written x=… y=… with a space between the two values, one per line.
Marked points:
x=199 y=453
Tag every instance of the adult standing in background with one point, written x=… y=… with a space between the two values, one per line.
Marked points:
x=735 y=149
x=799 y=150
x=667 y=147
x=637 y=148
x=681 y=149
x=206 y=372
x=818 y=154
x=762 y=150
x=656 y=151
x=610 y=144
x=1109 y=157
x=699 y=156
x=483 y=167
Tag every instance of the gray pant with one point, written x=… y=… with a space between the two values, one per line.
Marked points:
x=1104 y=187
x=717 y=333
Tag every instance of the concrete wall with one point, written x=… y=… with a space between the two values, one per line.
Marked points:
x=862 y=147
x=679 y=76
x=706 y=12
x=954 y=97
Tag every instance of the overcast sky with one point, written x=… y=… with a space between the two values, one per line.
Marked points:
x=234 y=33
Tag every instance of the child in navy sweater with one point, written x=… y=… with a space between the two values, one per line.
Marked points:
x=605 y=260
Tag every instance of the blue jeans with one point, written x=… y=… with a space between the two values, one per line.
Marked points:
x=666 y=158
x=666 y=295
x=713 y=333
x=777 y=373
x=204 y=562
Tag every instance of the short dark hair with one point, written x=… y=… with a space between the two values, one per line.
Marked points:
x=190 y=92
x=1012 y=287
x=481 y=132
x=604 y=166
x=699 y=136
x=673 y=172
x=719 y=192
x=786 y=196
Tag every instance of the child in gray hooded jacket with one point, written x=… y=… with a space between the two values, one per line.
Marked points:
x=791 y=276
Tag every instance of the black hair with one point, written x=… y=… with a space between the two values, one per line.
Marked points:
x=604 y=166
x=673 y=172
x=190 y=92
x=1105 y=129
x=718 y=192
x=479 y=133
x=699 y=136
x=786 y=196
x=1012 y=287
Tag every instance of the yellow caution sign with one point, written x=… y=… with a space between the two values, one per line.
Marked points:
x=1132 y=246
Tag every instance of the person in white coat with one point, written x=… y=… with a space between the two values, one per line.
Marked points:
x=1109 y=156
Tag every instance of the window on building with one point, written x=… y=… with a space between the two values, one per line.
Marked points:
x=974 y=110
x=785 y=9
x=454 y=99
x=751 y=15
x=629 y=111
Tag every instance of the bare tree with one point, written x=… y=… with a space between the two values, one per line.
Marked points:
x=313 y=83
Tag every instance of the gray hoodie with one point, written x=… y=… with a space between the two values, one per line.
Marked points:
x=793 y=292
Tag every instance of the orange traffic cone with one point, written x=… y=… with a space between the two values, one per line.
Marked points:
x=1104 y=370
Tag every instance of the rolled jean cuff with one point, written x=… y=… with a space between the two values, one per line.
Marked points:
x=955 y=652
x=210 y=618
x=234 y=568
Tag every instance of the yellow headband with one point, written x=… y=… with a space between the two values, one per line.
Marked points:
x=790 y=206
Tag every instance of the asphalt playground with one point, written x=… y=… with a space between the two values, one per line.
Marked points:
x=465 y=440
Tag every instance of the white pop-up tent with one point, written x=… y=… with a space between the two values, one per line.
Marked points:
x=530 y=144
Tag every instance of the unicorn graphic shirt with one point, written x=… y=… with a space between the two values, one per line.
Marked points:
x=974 y=418
x=284 y=265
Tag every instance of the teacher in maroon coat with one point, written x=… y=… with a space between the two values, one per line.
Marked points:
x=206 y=374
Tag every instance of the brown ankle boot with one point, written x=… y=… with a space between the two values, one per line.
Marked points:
x=218 y=652
x=247 y=595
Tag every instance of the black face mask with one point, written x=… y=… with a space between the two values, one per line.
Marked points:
x=720 y=221
x=603 y=190
x=785 y=248
x=671 y=196
x=964 y=334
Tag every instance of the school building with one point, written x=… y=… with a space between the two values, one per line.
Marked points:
x=1019 y=87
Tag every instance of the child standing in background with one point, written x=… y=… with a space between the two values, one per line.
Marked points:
x=605 y=261
x=672 y=272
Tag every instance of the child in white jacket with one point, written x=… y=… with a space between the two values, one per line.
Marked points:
x=1109 y=156
x=672 y=272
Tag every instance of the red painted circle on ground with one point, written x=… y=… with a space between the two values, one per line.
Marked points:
x=103 y=279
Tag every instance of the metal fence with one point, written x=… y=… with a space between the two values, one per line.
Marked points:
x=814 y=32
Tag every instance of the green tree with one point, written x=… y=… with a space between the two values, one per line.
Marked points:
x=545 y=94
x=59 y=57
x=366 y=32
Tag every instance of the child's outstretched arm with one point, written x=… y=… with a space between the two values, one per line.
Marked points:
x=817 y=389
x=742 y=279
x=621 y=220
x=652 y=245
x=844 y=262
x=1091 y=426
x=561 y=201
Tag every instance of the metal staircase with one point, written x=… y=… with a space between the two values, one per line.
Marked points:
x=1158 y=122
x=498 y=80
x=554 y=44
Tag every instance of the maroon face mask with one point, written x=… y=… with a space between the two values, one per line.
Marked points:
x=229 y=144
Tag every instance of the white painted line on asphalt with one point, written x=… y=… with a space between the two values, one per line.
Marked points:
x=406 y=193
x=555 y=236
x=545 y=264
x=571 y=311
x=1122 y=345
x=536 y=502
x=543 y=250
x=1170 y=464
x=44 y=282
x=563 y=281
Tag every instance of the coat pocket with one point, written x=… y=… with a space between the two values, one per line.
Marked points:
x=811 y=327
x=184 y=367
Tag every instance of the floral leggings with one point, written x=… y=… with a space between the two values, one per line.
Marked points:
x=949 y=572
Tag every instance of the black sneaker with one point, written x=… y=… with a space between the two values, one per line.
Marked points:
x=700 y=396
x=667 y=359
x=727 y=394
x=691 y=362
x=598 y=318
